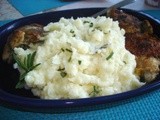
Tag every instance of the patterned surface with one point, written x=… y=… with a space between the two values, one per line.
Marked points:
x=144 y=107
x=9 y=8
x=25 y=7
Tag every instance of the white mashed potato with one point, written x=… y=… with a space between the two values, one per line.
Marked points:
x=80 y=58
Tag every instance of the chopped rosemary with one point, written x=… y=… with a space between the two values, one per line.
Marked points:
x=79 y=62
x=103 y=46
x=96 y=91
x=70 y=58
x=74 y=35
x=124 y=62
x=68 y=50
x=60 y=69
x=98 y=28
x=27 y=65
x=62 y=72
x=71 y=31
x=91 y=24
x=93 y=30
x=62 y=49
x=110 y=55
x=86 y=22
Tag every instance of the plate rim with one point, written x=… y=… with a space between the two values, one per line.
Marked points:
x=11 y=99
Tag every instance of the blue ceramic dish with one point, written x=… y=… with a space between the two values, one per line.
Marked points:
x=22 y=99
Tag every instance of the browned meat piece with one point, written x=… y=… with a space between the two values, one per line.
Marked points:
x=141 y=42
x=22 y=37
x=147 y=67
x=146 y=27
x=143 y=45
x=130 y=23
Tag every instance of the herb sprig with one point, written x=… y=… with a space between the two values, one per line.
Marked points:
x=27 y=65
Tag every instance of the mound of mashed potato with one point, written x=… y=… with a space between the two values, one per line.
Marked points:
x=81 y=58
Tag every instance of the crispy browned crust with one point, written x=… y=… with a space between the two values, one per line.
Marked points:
x=141 y=42
x=130 y=23
x=22 y=37
x=147 y=67
x=140 y=39
x=143 y=45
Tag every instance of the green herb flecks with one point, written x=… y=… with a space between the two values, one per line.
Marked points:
x=70 y=58
x=68 y=50
x=98 y=28
x=60 y=69
x=73 y=33
x=79 y=62
x=103 y=46
x=62 y=72
x=110 y=55
x=96 y=91
x=124 y=62
x=26 y=65
x=91 y=24
x=86 y=22
x=62 y=49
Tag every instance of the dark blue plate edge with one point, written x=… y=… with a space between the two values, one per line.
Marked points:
x=74 y=105
x=13 y=100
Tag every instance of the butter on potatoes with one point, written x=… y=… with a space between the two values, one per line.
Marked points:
x=80 y=58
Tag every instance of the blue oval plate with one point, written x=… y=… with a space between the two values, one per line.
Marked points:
x=22 y=99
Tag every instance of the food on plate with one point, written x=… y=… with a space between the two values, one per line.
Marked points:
x=22 y=37
x=140 y=41
x=84 y=57
x=79 y=58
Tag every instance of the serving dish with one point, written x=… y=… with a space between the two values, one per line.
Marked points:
x=22 y=99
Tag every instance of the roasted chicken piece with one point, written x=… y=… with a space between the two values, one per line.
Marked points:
x=130 y=23
x=22 y=37
x=141 y=42
x=147 y=67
